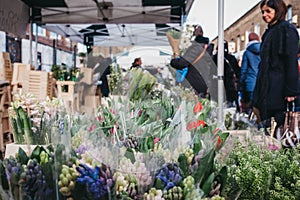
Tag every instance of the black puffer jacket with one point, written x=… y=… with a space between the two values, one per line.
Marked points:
x=278 y=71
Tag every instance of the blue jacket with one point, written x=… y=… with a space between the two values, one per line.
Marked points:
x=249 y=68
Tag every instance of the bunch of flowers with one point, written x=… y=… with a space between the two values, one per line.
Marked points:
x=31 y=119
x=29 y=177
x=140 y=84
x=143 y=139
x=115 y=79
x=163 y=147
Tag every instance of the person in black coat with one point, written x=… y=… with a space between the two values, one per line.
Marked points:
x=193 y=76
x=231 y=75
x=277 y=81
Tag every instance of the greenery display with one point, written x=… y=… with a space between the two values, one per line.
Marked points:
x=262 y=173
x=63 y=73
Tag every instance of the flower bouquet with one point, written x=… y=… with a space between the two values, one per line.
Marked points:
x=174 y=40
x=133 y=149
x=31 y=119
x=29 y=177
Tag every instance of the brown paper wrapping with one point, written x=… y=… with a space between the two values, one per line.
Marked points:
x=174 y=43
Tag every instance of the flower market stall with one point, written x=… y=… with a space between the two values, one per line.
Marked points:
x=146 y=143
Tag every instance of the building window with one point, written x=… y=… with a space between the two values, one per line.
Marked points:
x=247 y=37
x=290 y=13
x=257 y=29
x=41 y=31
x=53 y=35
x=238 y=44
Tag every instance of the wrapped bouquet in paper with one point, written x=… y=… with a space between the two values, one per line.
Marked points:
x=174 y=40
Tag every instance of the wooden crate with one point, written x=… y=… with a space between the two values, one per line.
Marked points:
x=37 y=84
x=87 y=75
x=5 y=67
x=5 y=101
x=19 y=78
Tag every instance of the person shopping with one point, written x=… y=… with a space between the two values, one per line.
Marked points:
x=193 y=76
x=249 y=70
x=277 y=81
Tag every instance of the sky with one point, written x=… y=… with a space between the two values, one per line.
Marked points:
x=205 y=13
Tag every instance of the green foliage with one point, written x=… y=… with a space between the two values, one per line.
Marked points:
x=140 y=84
x=115 y=79
x=256 y=173
x=64 y=73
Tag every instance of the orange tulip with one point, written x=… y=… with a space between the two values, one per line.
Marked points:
x=200 y=122
x=198 y=107
x=192 y=125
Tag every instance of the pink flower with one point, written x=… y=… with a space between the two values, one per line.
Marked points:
x=113 y=130
x=273 y=147
x=92 y=128
x=140 y=112
x=113 y=111
x=99 y=118
x=156 y=140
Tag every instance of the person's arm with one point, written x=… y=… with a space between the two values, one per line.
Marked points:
x=291 y=65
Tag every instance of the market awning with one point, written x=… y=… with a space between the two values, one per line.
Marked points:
x=111 y=23
x=112 y=11
x=115 y=34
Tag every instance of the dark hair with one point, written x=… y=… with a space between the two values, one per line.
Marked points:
x=135 y=61
x=198 y=30
x=278 y=5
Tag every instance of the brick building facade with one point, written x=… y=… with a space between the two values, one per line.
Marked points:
x=237 y=33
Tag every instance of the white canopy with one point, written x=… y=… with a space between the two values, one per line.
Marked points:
x=113 y=22
x=115 y=34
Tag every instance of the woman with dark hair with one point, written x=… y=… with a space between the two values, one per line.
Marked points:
x=277 y=81
x=137 y=63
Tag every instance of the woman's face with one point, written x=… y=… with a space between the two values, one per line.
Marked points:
x=268 y=14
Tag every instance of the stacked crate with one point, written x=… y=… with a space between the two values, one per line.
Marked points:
x=20 y=71
x=6 y=71
x=5 y=101
x=36 y=83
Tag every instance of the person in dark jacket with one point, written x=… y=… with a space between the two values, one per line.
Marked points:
x=193 y=76
x=278 y=71
x=249 y=70
x=231 y=75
